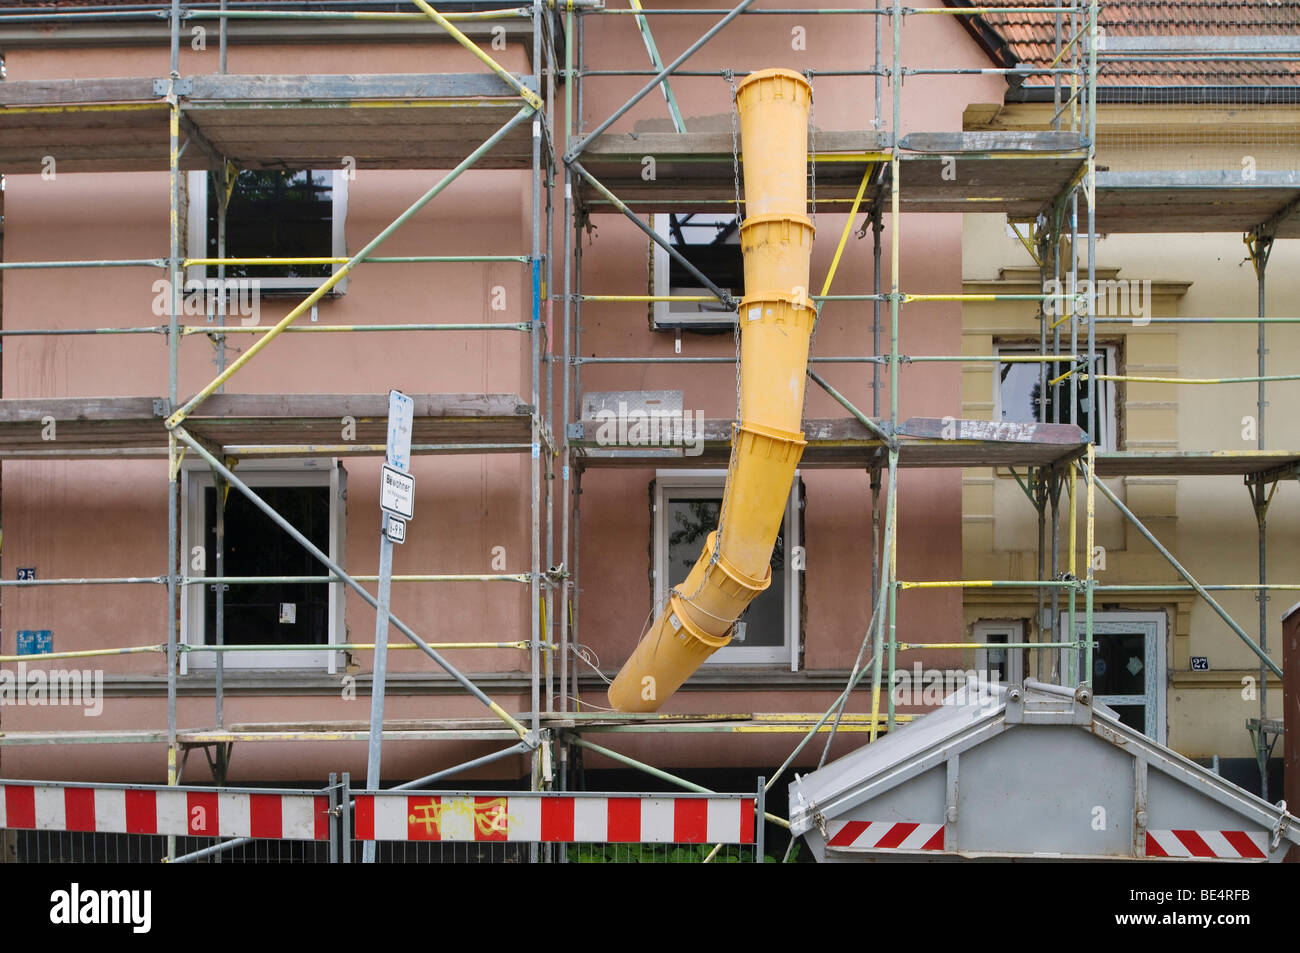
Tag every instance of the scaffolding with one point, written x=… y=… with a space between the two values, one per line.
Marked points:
x=1046 y=182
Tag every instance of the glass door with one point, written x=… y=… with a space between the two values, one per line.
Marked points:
x=1128 y=666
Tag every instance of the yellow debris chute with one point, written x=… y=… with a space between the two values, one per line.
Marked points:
x=776 y=322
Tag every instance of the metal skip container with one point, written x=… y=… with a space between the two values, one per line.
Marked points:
x=1029 y=772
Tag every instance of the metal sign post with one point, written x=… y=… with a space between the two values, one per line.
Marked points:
x=397 y=505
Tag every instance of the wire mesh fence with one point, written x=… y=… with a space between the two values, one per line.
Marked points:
x=83 y=847
x=577 y=853
x=79 y=847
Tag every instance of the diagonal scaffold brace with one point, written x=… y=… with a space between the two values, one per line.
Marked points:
x=180 y=414
x=463 y=680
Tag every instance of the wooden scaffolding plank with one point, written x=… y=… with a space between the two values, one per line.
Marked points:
x=411 y=121
x=133 y=426
x=846 y=442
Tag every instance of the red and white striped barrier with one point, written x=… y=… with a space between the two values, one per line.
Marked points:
x=203 y=813
x=1236 y=845
x=553 y=818
x=885 y=835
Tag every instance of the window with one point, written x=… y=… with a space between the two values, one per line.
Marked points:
x=1004 y=666
x=1016 y=396
x=710 y=242
x=1128 y=666
x=272 y=213
x=312 y=498
x=687 y=503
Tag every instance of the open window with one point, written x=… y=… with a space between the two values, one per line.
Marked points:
x=686 y=508
x=1017 y=397
x=292 y=611
x=271 y=213
x=711 y=242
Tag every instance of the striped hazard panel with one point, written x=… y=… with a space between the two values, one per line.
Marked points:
x=885 y=835
x=555 y=819
x=206 y=813
x=1235 y=845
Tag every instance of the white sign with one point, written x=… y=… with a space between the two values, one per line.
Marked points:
x=397 y=493
x=401 y=418
x=395 y=529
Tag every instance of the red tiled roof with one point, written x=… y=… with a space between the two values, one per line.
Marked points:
x=1030 y=38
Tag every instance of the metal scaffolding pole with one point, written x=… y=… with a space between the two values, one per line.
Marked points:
x=535 y=461
x=890 y=558
x=886 y=585
x=1261 y=245
x=569 y=228
x=877 y=226
x=219 y=595
x=548 y=298
x=1094 y=419
x=173 y=365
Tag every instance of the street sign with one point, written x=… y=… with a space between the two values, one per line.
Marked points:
x=35 y=642
x=394 y=528
x=397 y=499
x=401 y=418
x=397 y=493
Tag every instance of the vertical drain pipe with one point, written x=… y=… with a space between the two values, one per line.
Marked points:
x=776 y=321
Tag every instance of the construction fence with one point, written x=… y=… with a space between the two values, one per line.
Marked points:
x=56 y=822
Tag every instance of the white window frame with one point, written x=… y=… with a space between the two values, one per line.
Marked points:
x=197 y=186
x=309 y=472
x=688 y=314
x=1013 y=631
x=711 y=482
x=1106 y=389
x=1156 y=626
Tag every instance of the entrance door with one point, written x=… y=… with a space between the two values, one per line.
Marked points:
x=1128 y=666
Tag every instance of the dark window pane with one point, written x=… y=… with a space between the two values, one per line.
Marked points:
x=276 y=213
x=1119 y=664
x=689 y=523
x=997 y=658
x=1019 y=384
x=711 y=244
x=1135 y=716
x=255 y=546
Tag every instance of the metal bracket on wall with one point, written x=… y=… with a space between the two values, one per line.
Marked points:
x=183 y=87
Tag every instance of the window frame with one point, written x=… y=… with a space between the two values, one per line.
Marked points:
x=701 y=316
x=1014 y=630
x=1107 y=389
x=1156 y=633
x=709 y=483
x=197 y=478
x=197 y=226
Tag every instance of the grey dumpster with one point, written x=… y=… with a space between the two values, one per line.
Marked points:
x=1030 y=772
